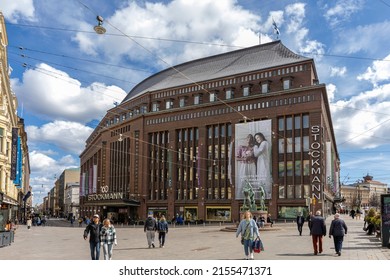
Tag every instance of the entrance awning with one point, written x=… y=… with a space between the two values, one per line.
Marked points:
x=113 y=202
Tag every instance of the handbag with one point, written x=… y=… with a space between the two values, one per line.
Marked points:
x=257 y=245
x=242 y=235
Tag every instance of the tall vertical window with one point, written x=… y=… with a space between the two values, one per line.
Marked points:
x=264 y=87
x=212 y=97
x=183 y=102
x=1 y=140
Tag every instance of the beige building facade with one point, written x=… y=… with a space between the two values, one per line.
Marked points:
x=15 y=192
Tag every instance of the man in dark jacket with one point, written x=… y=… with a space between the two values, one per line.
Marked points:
x=300 y=222
x=150 y=228
x=318 y=230
x=93 y=229
x=338 y=229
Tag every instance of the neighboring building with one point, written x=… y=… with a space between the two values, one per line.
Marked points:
x=57 y=193
x=364 y=194
x=15 y=192
x=174 y=144
x=72 y=199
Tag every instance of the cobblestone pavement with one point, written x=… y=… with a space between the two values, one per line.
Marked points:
x=201 y=242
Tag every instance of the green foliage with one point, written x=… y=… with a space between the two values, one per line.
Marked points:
x=373 y=217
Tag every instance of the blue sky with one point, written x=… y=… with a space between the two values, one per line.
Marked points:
x=66 y=77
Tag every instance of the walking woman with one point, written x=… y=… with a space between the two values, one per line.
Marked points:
x=249 y=231
x=108 y=238
x=162 y=228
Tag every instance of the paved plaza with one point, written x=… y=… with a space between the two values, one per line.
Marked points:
x=201 y=242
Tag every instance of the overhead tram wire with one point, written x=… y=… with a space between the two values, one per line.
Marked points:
x=71 y=68
x=168 y=64
x=133 y=36
x=59 y=76
x=81 y=59
x=194 y=42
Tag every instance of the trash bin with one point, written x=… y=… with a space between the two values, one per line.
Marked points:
x=5 y=238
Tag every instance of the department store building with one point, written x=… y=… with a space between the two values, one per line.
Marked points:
x=174 y=145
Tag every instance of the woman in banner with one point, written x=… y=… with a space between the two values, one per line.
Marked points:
x=246 y=162
x=263 y=174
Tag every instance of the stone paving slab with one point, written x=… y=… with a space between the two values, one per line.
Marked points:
x=208 y=242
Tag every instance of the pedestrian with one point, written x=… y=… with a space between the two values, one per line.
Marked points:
x=300 y=221
x=162 y=228
x=338 y=229
x=93 y=229
x=308 y=220
x=318 y=230
x=248 y=230
x=29 y=223
x=269 y=220
x=261 y=222
x=80 y=220
x=150 y=229
x=108 y=239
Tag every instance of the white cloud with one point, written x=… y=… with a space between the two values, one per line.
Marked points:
x=378 y=72
x=342 y=11
x=52 y=94
x=369 y=38
x=45 y=169
x=331 y=89
x=222 y=21
x=67 y=136
x=338 y=71
x=16 y=10
x=361 y=120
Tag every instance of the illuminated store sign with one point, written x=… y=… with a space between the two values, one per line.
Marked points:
x=315 y=154
x=103 y=196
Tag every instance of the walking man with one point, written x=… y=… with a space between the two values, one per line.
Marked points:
x=338 y=229
x=93 y=229
x=150 y=229
x=318 y=230
x=300 y=222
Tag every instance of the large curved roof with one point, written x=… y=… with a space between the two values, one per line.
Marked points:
x=213 y=67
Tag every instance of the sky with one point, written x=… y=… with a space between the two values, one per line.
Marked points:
x=66 y=76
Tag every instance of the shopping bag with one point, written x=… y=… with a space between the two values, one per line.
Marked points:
x=257 y=245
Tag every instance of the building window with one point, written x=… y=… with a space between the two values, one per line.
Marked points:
x=286 y=84
x=298 y=191
x=282 y=193
x=213 y=97
x=156 y=107
x=169 y=104
x=229 y=94
x=144 y=109
x=1 y=140
x=305 y=121
x=183 y=102
x=265 y=87
x=245 y=91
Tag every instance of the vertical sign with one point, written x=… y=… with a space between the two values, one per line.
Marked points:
x=385 y=215
x=14 y=153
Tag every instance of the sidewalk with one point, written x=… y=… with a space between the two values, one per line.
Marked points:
x=208 y=242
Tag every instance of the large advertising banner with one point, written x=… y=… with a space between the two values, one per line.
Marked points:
x=253 y=159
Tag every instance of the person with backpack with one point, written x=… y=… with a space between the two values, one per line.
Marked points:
x=162 y=228
x=150 y=228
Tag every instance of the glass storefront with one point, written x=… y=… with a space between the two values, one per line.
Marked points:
x=291 y=212
x=218 y=213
